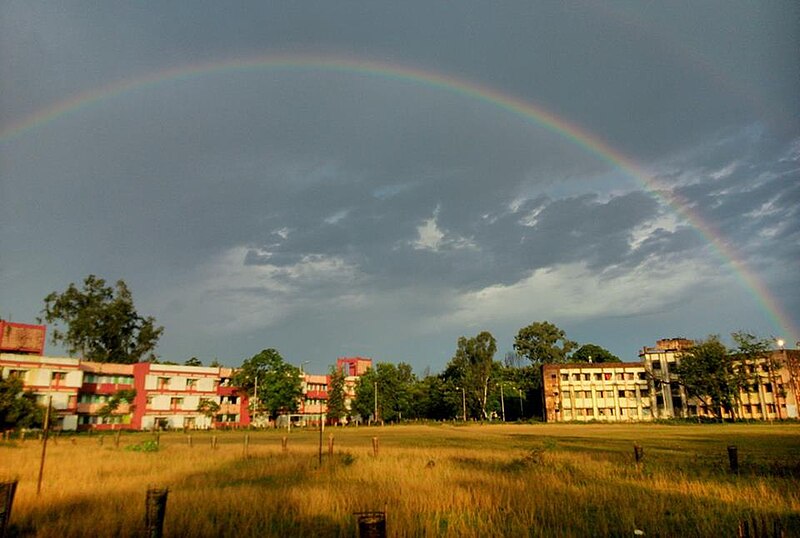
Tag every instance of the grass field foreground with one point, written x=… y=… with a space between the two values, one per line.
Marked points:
x=432 y=480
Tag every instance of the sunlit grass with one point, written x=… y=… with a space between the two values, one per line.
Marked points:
x=512 y=480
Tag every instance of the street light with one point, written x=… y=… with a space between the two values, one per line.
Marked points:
x=463 y=401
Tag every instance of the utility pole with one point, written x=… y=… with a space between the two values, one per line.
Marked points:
x=502 y=403
x=376 y=402
x=44 y=443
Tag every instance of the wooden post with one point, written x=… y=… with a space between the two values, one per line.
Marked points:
x=638 y=453
x=7 y=490
x=330 y=445
x=22 y=436
x=116 y=439
x=246 y=443
x=213 y=442
x=733 y=458
x=155 y=509
x=101 y=439
x=375 y=447
x=158 y=439
x=189 y=440
x=285 y=444
x=45 y=431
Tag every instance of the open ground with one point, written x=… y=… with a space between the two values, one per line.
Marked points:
x=432 y=480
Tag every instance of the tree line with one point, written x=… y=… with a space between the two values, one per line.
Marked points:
x=100 y=323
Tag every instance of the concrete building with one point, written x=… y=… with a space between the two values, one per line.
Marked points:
x=609 y=392
x=166 y=396
x=650 y=389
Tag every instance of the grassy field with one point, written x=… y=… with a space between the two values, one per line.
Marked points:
x=432 y=480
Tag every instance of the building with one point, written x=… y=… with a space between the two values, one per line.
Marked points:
x=314 y=402
x=610 y=392
x=352 y=368
x=22 y=338
x=166 y=396
x=650 y=389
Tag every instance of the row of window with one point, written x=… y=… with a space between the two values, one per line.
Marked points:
x=604 y=376
x=606 y=412
x=110 y=379
x=643 y=392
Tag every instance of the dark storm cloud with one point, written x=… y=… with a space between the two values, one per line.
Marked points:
x=308 y=188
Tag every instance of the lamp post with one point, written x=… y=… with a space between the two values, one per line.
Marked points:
x=521 y=411
x=376 y=402
x=502 y=403
x=463 y=401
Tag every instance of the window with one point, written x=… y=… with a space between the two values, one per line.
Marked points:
x=768 y=387
x=58 y=377
x=642 y=376
x=149 y=400
x=619 y=376
x=176 y=402
x=191 y=384
x=657 y=365
x=598 y=377
x=564 y=377
x=607 y=377
x=587 y=377
x=621 y=393
x=644 y=392
x=576 y=377
x=163 y=382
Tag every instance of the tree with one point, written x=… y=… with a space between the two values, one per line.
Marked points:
x=471 y=369
x=209 y=408
x=194 y=361
x=279 y=386
x=336 y=403
x=593 y=353
x=707 y=372
x=112 y=405
x=394 y=383
x=102 y=324
x=543 y=343
x=18 y=409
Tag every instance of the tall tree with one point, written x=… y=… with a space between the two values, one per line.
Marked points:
x=395 y=388
x=102 y=324
x=471 y=368
x=708 y=372
x=273 y=384
x=18 y=409
x=542 y=342
x=593 y=353
x=336 y=402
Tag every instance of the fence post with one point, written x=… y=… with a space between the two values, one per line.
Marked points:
x=155 y=509
x=213 y=442
x=330 y=445
x=116 y=439
x=285 y=444
x=638 y=453
x=246 y=443
x=375 y=447
x=189 y=440
x=7 y=490
x=733 y=458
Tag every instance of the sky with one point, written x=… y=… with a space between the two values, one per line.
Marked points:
x=380 y=178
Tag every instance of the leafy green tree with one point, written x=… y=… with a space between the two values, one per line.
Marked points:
x=18 y=408
x=543 y=343
x=364 y=402
x=194 y=361
x=433 y=397
x=209 y=408
x=274 y=384
x=471 y=368
x=102 y=324
x=395 y=388
x=708 y=372
x=593 y=353
x=336 y=401
x=112 y=404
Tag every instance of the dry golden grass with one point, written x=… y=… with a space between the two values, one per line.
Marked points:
x=437 y=480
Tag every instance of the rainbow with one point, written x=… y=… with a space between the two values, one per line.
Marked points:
x=534 y=113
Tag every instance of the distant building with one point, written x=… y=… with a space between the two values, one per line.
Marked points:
x=22 y=338
x=650 y=389
x=166 y=396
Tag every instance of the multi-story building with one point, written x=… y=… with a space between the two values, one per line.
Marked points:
x=610 y=392
x=314 y=402
x=166 y=396
x=352 y=368
x=650 y=389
